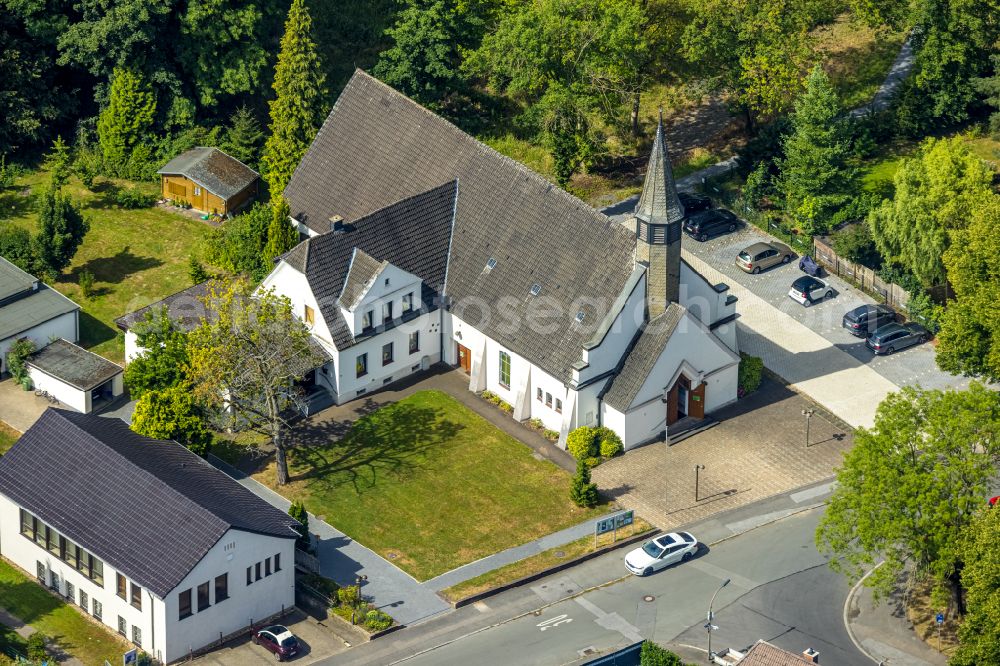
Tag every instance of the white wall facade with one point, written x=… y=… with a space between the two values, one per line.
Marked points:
x=66 y=326
x=707 y=304
x=293 y=285
x=608 y=353
x=69 y=395
x=162 y=633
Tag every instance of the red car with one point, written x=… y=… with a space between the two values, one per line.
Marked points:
x=279 y=640
x=994 y=500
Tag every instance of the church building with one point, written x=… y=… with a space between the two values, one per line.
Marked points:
x=423 y=245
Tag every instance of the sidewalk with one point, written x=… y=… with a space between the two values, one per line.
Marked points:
x=884 y=633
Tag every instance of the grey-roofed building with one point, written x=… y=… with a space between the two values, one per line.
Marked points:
x=540 y=298
x=74 y=376
x=186 y=308
x=209 y=180
x=31 y=309
x=142 y=534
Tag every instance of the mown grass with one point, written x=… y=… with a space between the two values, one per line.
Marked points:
x=136 y=256
x=428 y=484
x=88 y=641
x=8 y=436
x=536 y=563
x=856 y=58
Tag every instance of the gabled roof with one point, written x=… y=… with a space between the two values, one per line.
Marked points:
x=642 y=357
x=149 y=508
x=763 y=653
x=412 y=234
x=13 y=280
x=361 y=275
x=217 y=172
x=658 y=203
x=378 y=147
x=81 y=369
x=185 y=308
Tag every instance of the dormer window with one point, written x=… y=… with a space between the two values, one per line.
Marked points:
x=536 y=289
x=407 y=302
x=367 y=319
x=387 y=311
x=387 y=282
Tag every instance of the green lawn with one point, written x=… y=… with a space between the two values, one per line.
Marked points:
x=8 y=436
x=136 y=256
x=856 y=58
x=429 y=485
x=86 y=640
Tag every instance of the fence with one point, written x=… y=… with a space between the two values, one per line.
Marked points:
x=306 y=562
x=864 y=277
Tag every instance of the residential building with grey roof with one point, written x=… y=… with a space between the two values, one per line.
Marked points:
x=141 y=534
x=569 y=316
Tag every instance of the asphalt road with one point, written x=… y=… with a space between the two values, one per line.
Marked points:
x=781 y=590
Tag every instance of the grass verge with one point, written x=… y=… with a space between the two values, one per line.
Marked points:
x=86 y=640
x=922 y=614
x=856 y=58
x=136 y=256
x=8 y=436
x=536 y=563
x=428 y=484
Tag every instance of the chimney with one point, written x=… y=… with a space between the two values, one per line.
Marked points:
x=336 y=224
x=812 y=655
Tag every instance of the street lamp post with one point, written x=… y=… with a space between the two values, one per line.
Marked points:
x=708 y=625
x=697 y=469
x=358 y=580
x=808 y=414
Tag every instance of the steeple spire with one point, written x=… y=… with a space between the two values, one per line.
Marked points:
x=658 y=203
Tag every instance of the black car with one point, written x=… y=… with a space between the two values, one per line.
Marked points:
x=893 y=337
x=863 y=320
x=694 y=202
x=702 y=226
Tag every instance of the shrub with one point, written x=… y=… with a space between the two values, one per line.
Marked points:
x=750 y=373
x=924 y=311
x=581 y=490
x=591 y=463
x=376 y=620
x=551 y=435
x=349 y=595
x=855 y=243
x=298 y=511
x=536 y=424
x=36 y=647
x=16 y=356
x=582 y=443
x=506 y=408
x=652 y=654
x=196 y=270
x=609 y=444
x=131 y=198
x=86 y=282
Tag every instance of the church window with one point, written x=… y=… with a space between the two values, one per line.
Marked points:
x=505 y=369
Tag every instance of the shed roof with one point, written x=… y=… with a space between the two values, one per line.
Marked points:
x=219 y=173
x=22 y=314
x=73 y=365
x=149 y=508
x=378 y=147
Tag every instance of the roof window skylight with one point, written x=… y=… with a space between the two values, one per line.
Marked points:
x=579 y=316
x=536 y=289
x=491 y=263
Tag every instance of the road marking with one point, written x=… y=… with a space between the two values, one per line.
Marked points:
x=611 y=621
x=723 y=574
x=554 y=622
x=481 y=607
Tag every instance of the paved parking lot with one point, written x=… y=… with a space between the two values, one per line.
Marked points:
x=915 y=365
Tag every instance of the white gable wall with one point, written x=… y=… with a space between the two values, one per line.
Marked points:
x=288 y=282
x=388 y=287
x=608 y=353
x=703 y=301
x=64 y=326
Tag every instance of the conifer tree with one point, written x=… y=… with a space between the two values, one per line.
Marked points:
x=127 y=119
x=242 y=137
x=61 y=228
x=815 y=173
x=281 y=235
x=296 y=111
x=582 y=491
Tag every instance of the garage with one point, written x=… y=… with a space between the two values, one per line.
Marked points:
x=74 y=376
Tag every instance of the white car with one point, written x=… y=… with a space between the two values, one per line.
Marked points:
x=661 y=552
x=808 y=290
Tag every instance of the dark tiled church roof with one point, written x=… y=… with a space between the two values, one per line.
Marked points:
x=378 y=147
x=149 y=508
x=642 y=357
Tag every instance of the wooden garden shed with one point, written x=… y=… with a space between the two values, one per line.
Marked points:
x=210 y=180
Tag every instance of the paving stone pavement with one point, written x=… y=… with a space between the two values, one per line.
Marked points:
x=757 y=450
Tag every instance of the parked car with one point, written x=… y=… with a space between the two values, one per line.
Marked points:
x=808 y=290
x=708 y=223
x=661 y=552
x=278 y=640
x=694 y=202
x=761 y=256
x=864 y=320
x=893 y=337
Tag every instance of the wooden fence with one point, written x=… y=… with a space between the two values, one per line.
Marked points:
x=893 y=295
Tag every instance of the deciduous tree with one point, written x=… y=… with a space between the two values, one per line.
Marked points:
x=172 y=413
x=979 y=635
x=911 y=485
x=163 y=363
x=935 y=194
x=969 y=339
x=246 y=359
x=297 y=110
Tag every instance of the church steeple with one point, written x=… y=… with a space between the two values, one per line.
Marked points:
x=658 y=217
x=658 y=203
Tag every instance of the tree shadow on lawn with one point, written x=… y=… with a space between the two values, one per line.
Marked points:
x=391 y=443
x=114 y=269
x=93 y=331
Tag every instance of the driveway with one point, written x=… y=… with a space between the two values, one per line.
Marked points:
x=19 y=408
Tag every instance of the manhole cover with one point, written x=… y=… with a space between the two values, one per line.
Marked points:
x=648 y=598
x=559 y=553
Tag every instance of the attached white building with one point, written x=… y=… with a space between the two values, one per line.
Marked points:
x=76 y=377
x=142 y=534
x=570 y=317
x=186 y=309
x=31 y=309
